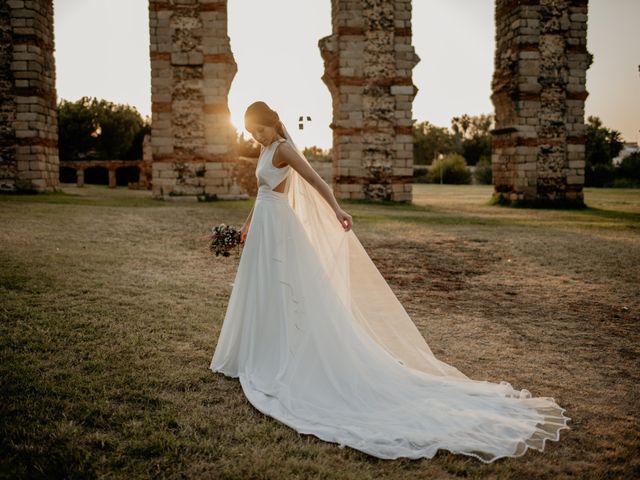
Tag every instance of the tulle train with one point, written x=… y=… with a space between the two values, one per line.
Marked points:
x=291 y=339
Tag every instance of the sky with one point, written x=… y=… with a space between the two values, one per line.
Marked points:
x=102 y=50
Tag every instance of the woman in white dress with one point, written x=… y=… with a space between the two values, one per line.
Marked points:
x=320 y=342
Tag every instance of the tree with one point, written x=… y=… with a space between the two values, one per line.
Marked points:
x=628 y=172
x=77 y=127
x=483 y=172
x=429 y=141
x=451 y=168
x=473 y=136
x=247 y=147
x=316 y=153
x=602 y=146
x=98 y=129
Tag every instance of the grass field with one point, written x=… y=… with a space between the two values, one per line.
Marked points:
x=111 y=305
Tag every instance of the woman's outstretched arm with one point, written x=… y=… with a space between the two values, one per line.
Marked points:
x=285 y=154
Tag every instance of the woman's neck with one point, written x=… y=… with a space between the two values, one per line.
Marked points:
x=274 y=141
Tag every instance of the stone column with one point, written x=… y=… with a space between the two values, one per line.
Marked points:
x=146 y=166
x=538 y=93
x=368 y=70
x=192 y=67
x=112 y=177
x=28 y=118
x=80 y=177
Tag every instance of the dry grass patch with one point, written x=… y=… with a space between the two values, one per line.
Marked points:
x=110 y=307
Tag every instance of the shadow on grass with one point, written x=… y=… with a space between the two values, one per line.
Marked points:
x=613 y=215
x=65 y=198
x=389 y=205
x=572 y=208
x=582 y=218
x=385 y=210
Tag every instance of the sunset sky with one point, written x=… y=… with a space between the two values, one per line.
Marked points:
x=102 y=50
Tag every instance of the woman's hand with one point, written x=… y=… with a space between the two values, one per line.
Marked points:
x=345 y=219
x=244 y=231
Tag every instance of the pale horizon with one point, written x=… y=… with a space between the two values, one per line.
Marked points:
x=102 y=50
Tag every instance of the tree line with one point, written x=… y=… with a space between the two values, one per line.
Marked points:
x=90 y=128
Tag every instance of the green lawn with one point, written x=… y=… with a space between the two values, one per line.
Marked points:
x=111 y=305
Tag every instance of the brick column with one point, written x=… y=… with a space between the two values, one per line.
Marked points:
x=28 y=118
x=192 y=67
x=368 y=70
x=538 y=94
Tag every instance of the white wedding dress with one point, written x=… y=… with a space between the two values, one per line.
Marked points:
x=319 y=342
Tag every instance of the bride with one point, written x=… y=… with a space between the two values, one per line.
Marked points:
x=320 y=342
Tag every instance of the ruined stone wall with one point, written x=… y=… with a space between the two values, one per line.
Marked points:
x=192 y=67
x=538 y=94
x=28 y=119
x=368 y=70
x=8 y=167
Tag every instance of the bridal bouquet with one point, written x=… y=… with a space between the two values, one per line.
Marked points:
x=224 y=238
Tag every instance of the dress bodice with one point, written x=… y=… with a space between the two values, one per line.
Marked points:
x=268 y=175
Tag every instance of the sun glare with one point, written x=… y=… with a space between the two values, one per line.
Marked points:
x=279 y=62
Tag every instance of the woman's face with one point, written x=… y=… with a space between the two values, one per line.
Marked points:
x=263 y=134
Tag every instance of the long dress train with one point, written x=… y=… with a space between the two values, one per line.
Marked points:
x=307 y=355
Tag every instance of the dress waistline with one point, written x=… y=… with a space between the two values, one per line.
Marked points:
x=265 y=192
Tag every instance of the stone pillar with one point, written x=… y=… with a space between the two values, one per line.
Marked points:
x=539 y=93
x=112 y=177
x=368 y=70
x=28 y=118
x=192 y=139
x=80 y=177
x=146 y=166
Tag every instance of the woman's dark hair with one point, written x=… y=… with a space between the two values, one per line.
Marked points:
x=259 y=112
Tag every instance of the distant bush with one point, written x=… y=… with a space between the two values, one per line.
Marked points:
x=599 y=175
x=318 y=154
x=628 y=172
x=453 y=168
x=625 y=175
x=420 y=178
x=623 y=183
x=483 y=173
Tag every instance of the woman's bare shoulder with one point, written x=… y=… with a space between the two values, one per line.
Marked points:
x=284 y=154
